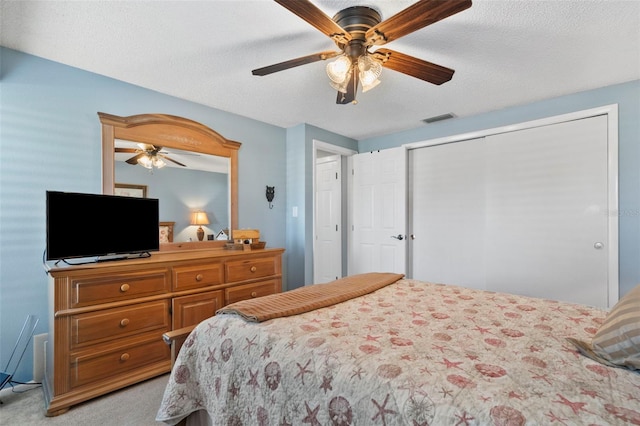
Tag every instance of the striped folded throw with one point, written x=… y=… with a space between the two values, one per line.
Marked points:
x=617 y=341
x=308 y=298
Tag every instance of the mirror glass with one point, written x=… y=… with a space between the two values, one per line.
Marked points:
x=199 y=175
x=188 y=182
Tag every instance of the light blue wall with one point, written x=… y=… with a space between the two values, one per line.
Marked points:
x=50 y=140
x=626 y=95
x=300 y=194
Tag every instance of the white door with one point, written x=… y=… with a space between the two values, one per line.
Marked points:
x=520 y=212
x=378 y=240
x=546 y=211
x=327 y=265
x=448 y=213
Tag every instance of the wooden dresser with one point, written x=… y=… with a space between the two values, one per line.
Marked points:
x=107 y=319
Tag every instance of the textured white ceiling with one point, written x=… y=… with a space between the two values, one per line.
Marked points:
x=505 y=53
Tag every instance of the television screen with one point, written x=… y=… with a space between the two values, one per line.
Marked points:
x=88 y=225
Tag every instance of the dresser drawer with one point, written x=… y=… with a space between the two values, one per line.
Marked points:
x=95 y=365
x=241 y=270
x=249 y=291
x=96 y=290
x=107 y=324
x=195 y=276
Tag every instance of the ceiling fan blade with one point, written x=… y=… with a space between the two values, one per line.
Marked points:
x=352 y=87
x=172 y=160
x=146 y=146
x=409 y=65
x=127 y=150
x=320 y=56
x=314 y=16
x=134 y=160
x=414 y=17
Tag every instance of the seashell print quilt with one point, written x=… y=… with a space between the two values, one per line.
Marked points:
x=412 y=353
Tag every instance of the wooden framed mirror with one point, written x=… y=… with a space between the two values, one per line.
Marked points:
x=170 y=132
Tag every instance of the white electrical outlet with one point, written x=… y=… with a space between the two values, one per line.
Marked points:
x=39 y=355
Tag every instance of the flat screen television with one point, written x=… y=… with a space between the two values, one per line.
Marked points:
x=92 y=225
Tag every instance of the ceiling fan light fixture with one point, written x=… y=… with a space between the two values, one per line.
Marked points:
x=367 y=87
x=150 y=161
x=340 y=87
x=158 y=163
x=145 y=162
x=338 y=70
x=369 y=71
x=369 y=67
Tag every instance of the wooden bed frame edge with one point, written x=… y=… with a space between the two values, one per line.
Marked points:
x=176 y=338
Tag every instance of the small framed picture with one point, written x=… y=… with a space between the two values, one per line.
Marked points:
x=129 y=190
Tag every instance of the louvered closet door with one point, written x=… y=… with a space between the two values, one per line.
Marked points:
x=520 y=212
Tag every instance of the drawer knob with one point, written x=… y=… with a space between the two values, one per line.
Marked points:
x=124 y=322
x=199 y=277
x=124 y=287
x=124 y=357
x=253 y=269
x=254 y=294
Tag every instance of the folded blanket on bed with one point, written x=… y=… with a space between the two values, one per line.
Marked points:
x=308 y=298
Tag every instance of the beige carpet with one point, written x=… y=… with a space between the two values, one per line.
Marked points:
x=133 y=406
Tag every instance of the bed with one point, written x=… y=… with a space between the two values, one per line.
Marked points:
x=404 y=353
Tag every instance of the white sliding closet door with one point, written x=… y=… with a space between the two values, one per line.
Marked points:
x=546 y=205
x=448 y=216
x=521 y=212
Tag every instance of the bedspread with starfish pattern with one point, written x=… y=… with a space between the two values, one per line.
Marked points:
x=411 y=353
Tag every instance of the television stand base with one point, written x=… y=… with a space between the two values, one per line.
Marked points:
x=105 y=258
x=112 y=257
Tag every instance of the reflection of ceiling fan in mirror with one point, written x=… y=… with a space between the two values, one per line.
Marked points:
x=148 y=156
x=356 y=30
x=182 y=160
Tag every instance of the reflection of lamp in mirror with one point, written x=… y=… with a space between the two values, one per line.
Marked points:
x=200 y=218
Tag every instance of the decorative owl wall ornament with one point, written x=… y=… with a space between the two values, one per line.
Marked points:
x=271 y=192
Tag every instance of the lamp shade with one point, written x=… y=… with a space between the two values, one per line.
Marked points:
x=199 y=218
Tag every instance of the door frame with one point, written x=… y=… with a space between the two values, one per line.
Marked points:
x=611 y=111
x=344 y=152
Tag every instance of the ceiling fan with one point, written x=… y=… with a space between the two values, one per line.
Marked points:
x=357 y=29
x=148 y=156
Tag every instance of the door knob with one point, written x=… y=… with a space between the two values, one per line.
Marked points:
x=398 y=237
x=598 y=245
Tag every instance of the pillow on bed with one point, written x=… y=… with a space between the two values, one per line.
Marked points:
x=617 y=341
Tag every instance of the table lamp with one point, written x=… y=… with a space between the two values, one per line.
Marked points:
x=200 y=218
